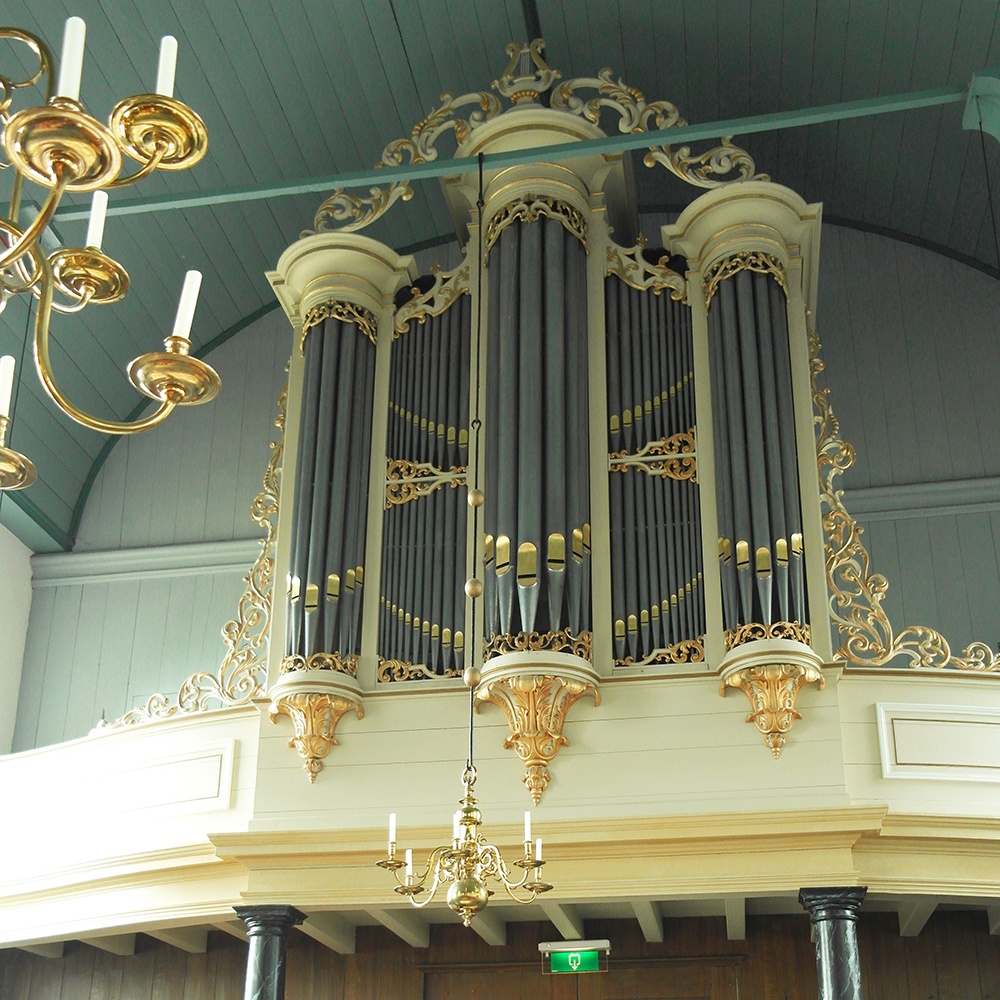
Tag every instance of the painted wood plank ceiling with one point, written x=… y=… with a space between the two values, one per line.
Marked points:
x=303 y=89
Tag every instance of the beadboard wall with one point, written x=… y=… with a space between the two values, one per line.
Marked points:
x=926 y=484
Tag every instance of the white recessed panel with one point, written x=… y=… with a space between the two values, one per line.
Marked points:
x=939 y=742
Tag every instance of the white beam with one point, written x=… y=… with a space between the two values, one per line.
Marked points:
x=50 y=949
x=913 y=914
x=235 y=927
x=491 y=927
x=993 y=915
x=736 y=918
x=649 y=919
x=566 y=919
x=331 y=931
x=193 y=940
x=117 y=944
x=408 y=926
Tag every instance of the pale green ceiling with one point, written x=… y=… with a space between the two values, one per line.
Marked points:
x=298 y=90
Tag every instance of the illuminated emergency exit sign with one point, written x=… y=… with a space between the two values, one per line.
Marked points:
x=574 y=956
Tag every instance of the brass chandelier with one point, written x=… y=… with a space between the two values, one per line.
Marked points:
x=59 y=146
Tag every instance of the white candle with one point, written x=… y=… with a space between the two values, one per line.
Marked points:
x=6 y=384
x=168 y=66
x=98 y=213
x=454 y=826
x=409 y=862
x=392 y=828
x=527 y=826
x=71 y=61
x=538 y=849
x=186 y=307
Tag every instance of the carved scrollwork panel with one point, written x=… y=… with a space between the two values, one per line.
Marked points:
x=447 y=288
x=753 y=631
x=530 y=209
x=322 y=661
x=533 y=642
x=686 y=651
x=673 y=458
x=745 y=260
x=405 y=480
x=632 y=267
x=346 y=312
x=315 y=716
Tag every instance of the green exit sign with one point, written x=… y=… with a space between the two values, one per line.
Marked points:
x=575 y=961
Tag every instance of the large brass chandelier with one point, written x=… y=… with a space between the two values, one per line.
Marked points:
x=59 y=146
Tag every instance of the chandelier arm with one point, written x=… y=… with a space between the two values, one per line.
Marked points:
x=144 y=171
x=30 y=236
x=75 y=307
x=43 y=365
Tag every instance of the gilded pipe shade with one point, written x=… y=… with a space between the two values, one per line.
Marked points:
x=331 y=492
x=760 y=513
x=537 y=513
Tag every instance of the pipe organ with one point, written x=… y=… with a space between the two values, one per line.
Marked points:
x=639 y=420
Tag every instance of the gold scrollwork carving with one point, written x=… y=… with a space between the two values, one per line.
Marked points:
x=322 y=661
x=673 y=458
x=529 y=642
x=772 y=690
x=745 y=260
x=516 y=83
x=347 y=213
x=536 y=706
x=752 y=631
x=633 y=268
x=447 y=288
x=531 y=209
x=856 y=593
x=398 y=670
x=346 y=312
x=315 y=716
x=405 y=480
x=686 y=651
x=243 y=671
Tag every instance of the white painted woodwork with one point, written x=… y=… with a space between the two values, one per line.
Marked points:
x=115 y=944
x=565 y=918
x=193 y=940
x=650 y=919
x=736 y=918
x=332 y=931
x=15 y=608
x=491 y=927
x=913 y=916
x=407 y=925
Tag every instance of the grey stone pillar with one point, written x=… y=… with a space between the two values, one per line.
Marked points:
x=834 y=913
x=267 y=929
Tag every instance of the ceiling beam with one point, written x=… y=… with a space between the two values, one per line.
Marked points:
x=193 y=940
x=736 y=918
x=615 y=143
x=566 y=920
x=993 y=915
x=650 y=920
x=116 y=944
x=412 y=929
x=913 y=914
x=234 y=927
x=491 y=927
x=48 y=949
x=332 y=931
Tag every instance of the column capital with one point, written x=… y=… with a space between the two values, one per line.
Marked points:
x=272 y=920
x=833 y=903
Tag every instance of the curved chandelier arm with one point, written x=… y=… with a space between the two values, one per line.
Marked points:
x=44 y=56
x=29 y=237
x=144 y=171
x=44 y=366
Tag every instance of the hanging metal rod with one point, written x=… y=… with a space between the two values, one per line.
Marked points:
x=771 y=122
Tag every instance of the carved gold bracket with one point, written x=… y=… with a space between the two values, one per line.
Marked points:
x=674 y=457
x=771 y=672
x=536 y=706
x=632 y=267
x=315 y=715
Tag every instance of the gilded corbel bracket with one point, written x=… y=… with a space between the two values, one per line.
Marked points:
x=771 y=672
x=315 y=701
x=536 y=705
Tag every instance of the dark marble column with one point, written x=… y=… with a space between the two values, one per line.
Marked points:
x=834 y=913
x=267 y=929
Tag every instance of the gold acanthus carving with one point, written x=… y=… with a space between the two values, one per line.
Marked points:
x=405 y=481
x=530 y=209
x=346 y=312
x=745 y=260
x=243 y=671
x=536 y=706
x=686 y=651
x=448 y=287
x=315 y=716
x=753 y=631
x=672 y=458
x=856 y=593
x=772 y=690
x=633 y=268
x=534 y=642
x=336 y=662
x=399 y=670
x=347 y=213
